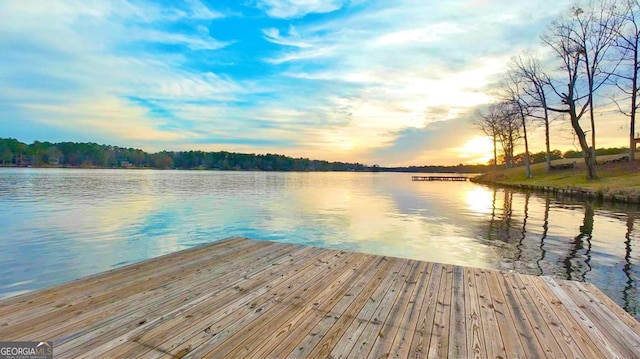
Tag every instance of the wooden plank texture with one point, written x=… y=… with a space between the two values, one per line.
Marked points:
x=257 y=299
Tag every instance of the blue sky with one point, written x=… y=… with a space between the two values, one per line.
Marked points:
x=386 y=82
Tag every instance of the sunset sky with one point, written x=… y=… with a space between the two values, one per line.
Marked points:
x=376 y=82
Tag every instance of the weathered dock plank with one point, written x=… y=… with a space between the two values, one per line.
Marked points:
x=329 y=330
x=494 y=342
x=400 y=313
x=422 y=331
x=300 y=324
x=244 y=298
x=141 y=315
x=401 y=346
x=592 y=329
x=458 y=316
x=152 y=338
x=350 y=339
x=476 y=345
x=163 y=294
x=571 y=333
x=543 y=334
x=439 y=341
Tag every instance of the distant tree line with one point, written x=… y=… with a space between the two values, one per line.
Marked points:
x=92 y=155
x=594 y=52
x=72 y=154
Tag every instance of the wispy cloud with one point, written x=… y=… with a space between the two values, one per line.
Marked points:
x=372 y=81
x=293 y=39
x=77 y=62
x=391 y=64
x=430 y=33
x=286 y=9
x=201 y=41
x=313 y=53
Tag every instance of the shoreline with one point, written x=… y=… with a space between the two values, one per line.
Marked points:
x=569 y=192
x=462 y=174
x=618 y=182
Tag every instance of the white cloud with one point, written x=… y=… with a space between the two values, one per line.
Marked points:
x=103 y=117
x=425 y=34
x=313 y=53
x=198 y=42
x=287 y=9
x=341 y=87
x=197 y=10
x=385 y=68
x=196 y=87
x=273 y=35
x=77 y=64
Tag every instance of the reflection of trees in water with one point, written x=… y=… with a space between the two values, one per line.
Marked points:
x=545 y=229
x=508 y=212
x=501 y=223
x=493 y=213
x=577 y=264
x=524 y=228
x=630 y=293
x=536 y=250
x=507 y=232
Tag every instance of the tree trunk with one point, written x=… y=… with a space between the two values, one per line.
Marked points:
x=527 y=159
x=634 y=92
x=632 y=139
x=510 y=146
x=590 y=78
x=593 y=129
x=587 y=154
x=546 y=138
x=495 y=152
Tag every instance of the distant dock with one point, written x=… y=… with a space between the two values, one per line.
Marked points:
x=240 y=298
x=439 y=178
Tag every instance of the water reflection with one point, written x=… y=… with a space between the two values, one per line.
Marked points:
x=58 y=225
x=545 y=229
x=481 y=200
x=631 y=293
x=577 y=261
x=606 y=259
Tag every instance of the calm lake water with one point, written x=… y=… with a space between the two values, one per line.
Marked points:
x=59 y=225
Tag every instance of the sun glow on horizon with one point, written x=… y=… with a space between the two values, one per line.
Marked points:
x=478 y=149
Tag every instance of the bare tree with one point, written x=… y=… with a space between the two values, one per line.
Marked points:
x=527 y=70
x=521 y=105
x=596 y=34
x=558 y=38
x=580 y=42
x=500 y=122
x=626 y=78
x=488 y=123
x=509 y=126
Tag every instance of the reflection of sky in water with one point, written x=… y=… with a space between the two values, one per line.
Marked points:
x=58 y=225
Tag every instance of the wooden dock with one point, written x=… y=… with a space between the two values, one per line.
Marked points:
x=439 y=178
x=241 y=298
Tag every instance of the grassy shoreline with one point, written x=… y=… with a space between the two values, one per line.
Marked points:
x=617 y=181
